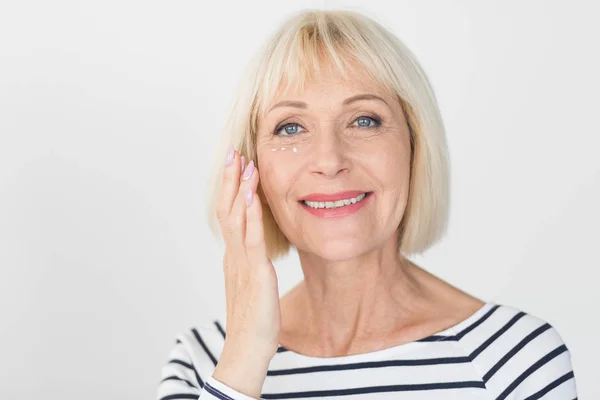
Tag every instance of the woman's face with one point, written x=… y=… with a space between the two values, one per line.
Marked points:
x=322 y=142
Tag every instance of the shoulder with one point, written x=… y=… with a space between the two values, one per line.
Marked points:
x=203 y=342
x=496 y=320
x=192 y=359
x=517 y=352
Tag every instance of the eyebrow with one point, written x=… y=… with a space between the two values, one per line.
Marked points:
x=349 y=100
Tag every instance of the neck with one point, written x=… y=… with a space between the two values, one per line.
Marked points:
x=341 y=303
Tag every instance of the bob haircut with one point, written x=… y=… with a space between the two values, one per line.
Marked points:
x=303 y=44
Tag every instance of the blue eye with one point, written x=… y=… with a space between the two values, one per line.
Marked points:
x=287 y=130
x=292 y=128
x=366 y=119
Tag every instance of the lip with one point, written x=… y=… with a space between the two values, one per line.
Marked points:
x=340 y=211
x=333 y=196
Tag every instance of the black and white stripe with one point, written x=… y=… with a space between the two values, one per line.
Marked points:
x=497 y=353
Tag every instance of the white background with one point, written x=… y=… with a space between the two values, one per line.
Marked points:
x=109 y=111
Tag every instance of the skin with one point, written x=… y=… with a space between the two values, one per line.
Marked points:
x=358 y=294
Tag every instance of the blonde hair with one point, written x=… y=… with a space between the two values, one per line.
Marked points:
x=337 y=37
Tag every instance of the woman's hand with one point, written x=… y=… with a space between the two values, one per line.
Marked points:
x=251 y=288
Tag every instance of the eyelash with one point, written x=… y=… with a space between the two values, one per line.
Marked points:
x=377 y=122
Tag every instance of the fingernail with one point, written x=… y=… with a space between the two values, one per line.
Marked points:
x=248 y=170
x=243 y=162
x=229 y=158
x=249 y=196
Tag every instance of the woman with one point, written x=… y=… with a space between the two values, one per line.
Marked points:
x=338 y=149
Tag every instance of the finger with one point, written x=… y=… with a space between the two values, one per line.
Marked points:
x=256 y=247
x=238 y=211
x=228 y=192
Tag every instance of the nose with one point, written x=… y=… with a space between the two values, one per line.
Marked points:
x=328 y=154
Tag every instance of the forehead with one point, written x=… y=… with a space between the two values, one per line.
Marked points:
x=329 y=80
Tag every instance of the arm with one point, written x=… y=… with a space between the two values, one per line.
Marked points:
x=252 y=296
x=180 y=379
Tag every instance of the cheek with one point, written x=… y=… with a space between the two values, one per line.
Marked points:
x=277 y=172
x=389 y=161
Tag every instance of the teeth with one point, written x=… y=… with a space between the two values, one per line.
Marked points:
x=334 y=204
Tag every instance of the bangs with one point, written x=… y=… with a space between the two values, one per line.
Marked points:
x=302 y=53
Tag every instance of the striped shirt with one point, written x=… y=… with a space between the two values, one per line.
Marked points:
x=498 y=352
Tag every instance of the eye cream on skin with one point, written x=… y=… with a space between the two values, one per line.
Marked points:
x=294 y=149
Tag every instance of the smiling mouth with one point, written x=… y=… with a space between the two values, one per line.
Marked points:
x=336 y=204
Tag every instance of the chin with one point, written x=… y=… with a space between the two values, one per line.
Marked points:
x=339 y=250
